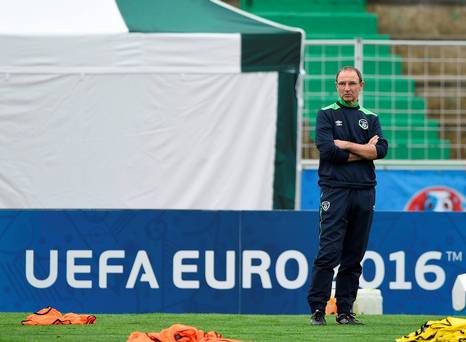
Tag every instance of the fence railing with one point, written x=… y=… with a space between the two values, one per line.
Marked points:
x=418 y=89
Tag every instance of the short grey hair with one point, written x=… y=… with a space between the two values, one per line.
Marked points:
x=356 y=70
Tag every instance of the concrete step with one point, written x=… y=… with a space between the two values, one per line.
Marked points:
x=303 y=5
x=393 y=129
x=324 y=84
x=413 y=133
x=327 y=22
x=345 y=50
x=417 y=121
x=419 y=149
x=379 y=104
x=329 y=66
x=412 y=147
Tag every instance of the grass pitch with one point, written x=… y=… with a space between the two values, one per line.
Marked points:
x=257 y=328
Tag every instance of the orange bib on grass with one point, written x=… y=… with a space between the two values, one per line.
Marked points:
x=50 y=316
x=179 y=333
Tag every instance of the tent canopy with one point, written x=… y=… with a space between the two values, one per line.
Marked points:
x=146 y=104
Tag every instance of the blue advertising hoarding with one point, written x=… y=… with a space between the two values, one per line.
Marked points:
x=214 y=261
x=397 y=190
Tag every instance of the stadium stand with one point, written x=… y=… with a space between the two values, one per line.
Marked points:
x=442 y=67
x=388 y=92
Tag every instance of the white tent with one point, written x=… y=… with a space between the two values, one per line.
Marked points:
x=184 y=104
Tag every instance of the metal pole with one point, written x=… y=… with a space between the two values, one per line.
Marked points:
x=358 y=63
x=300 y=111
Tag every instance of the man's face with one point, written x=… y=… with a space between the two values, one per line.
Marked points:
x=348 y=86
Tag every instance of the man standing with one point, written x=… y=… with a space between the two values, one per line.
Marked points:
x=349 y=138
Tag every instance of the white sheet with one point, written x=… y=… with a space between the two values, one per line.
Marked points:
x=131 y=140
x=121 y=53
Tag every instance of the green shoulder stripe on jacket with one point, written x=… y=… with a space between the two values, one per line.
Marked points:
x=332 y=106
x=366 y=111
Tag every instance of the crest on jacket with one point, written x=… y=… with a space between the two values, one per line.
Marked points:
x=325 y=205
x=363 y=124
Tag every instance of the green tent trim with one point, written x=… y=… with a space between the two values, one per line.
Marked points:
x=264 y=48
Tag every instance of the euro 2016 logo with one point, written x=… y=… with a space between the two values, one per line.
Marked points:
x=438 y=198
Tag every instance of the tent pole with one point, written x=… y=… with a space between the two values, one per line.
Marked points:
x=300 y=99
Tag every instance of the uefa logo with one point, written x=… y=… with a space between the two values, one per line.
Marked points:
x=436 y=198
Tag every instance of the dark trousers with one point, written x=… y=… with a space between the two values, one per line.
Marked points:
x=345 y=221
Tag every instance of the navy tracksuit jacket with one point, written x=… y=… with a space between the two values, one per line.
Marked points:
x=347 y=202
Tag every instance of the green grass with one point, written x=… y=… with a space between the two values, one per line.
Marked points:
x=260 y=328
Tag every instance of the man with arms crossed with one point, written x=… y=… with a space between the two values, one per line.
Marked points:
x=349 y=138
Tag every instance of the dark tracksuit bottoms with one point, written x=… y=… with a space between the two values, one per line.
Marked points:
x=344 y=230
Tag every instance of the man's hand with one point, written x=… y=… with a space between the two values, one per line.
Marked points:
x=343 y=144
x=373 y=140
x=354 y=157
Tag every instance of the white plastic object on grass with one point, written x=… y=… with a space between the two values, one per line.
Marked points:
x=368 y=302
x=458 y=293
